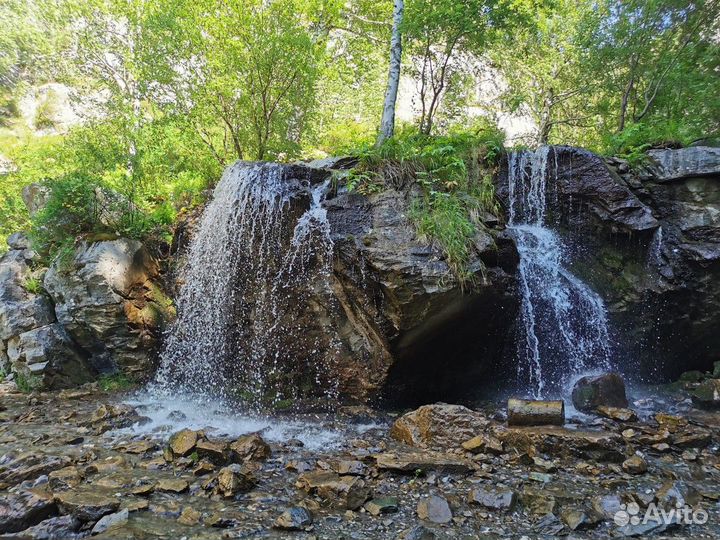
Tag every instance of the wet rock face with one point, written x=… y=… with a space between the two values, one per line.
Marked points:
x=403 y=307
x=606 y=390
x=109 y=304
x=648 y=241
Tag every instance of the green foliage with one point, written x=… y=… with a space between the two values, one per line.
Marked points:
x=27 y=383
x=33 y=285
x=71 y=211
x=637 y=138
x=453 y=172
x=117 y=382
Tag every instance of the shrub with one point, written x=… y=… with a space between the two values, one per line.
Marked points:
x=70 y=212
x=33 y=285
x=636 y=139
x=454 y=173
x=116 y=382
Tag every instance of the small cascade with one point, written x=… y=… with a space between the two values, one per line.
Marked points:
x=563 y=322
x=263 y=242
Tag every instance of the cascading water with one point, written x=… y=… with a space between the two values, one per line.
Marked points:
x=564 y=329
x=263 y=242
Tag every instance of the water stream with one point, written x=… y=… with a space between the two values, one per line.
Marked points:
x=564 y=330
x=263 y=237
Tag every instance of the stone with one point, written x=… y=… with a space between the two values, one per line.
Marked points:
x=563 y=442
x=250 y=447
x=111 y=521
x=707 y=394
x=172 y=485
x=214 y=451
x=109 y=304
x=48 y=356
x=578 y=519
x=234 y=479
x=434 y=509
x=23 y=509
x=35 y=196
x=483 y=444
x=86 y=505
x=538 y=502
x=673 y=164
x=670 y=422
x=189 y=516
x=411 y=462
x=350 y=467
x=55 y=528
x=18 y=240
x=294 y=519
x=382 y=505
x=607 y=389
x=65 y=478
x=438 y=426
x=618 y=414
x=418 y=532
x=182 y=443
x=29 y=466
x=676 y=493
x=635 y=465
x=349 y=492
x=138 y=447
x=493 y=499
x=695 y=438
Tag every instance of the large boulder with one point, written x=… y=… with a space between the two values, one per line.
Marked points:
x=691 y=162
x=106 y=300
x=34 y=349
x=402 y=309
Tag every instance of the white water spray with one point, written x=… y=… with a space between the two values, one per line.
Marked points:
x=564 y=323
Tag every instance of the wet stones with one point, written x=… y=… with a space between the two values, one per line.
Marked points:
x=183 y=442
x=410 y=462
x=635 y=465
x=294 y=519
x=18 y=511
x=707 y=394
x=592 y=392
x=30 y=466
x=438 y=426
x=382 y=505
x=213 y=451
x=86 y=505
x=493 y=499
x=484 y=444
x=348 y=492
x=250 y=447
x=434 y=509
x=617 y=413
x=172 y=485
x=234 y=479
x=111 y=521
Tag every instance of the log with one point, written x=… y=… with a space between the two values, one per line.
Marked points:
x=524 y=412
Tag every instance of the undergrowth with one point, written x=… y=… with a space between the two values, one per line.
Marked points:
x=116 y=382
x=454 y=174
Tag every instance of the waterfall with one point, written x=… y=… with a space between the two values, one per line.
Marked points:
x=563 y=328
x=263 y=242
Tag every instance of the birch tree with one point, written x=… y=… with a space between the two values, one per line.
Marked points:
x=387 y=124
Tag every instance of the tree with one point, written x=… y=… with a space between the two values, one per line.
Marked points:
x=387 y=125
x=543 y=66
x=440 y=32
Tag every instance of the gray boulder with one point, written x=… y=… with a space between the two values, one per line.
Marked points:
x=47 y=358
x=674 y=164
x=108 y=304
x=35 y=196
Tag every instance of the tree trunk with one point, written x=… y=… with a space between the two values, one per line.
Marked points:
x=387 y=125
x=546 y=118
x=522 y=412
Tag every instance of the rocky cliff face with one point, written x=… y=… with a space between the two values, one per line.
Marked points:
x=411 y=331
x=648 y=240
x=99 y=313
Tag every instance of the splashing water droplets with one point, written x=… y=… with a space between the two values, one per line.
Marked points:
x=563 y=322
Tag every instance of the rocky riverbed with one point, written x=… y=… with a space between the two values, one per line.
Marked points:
x=82 y=462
